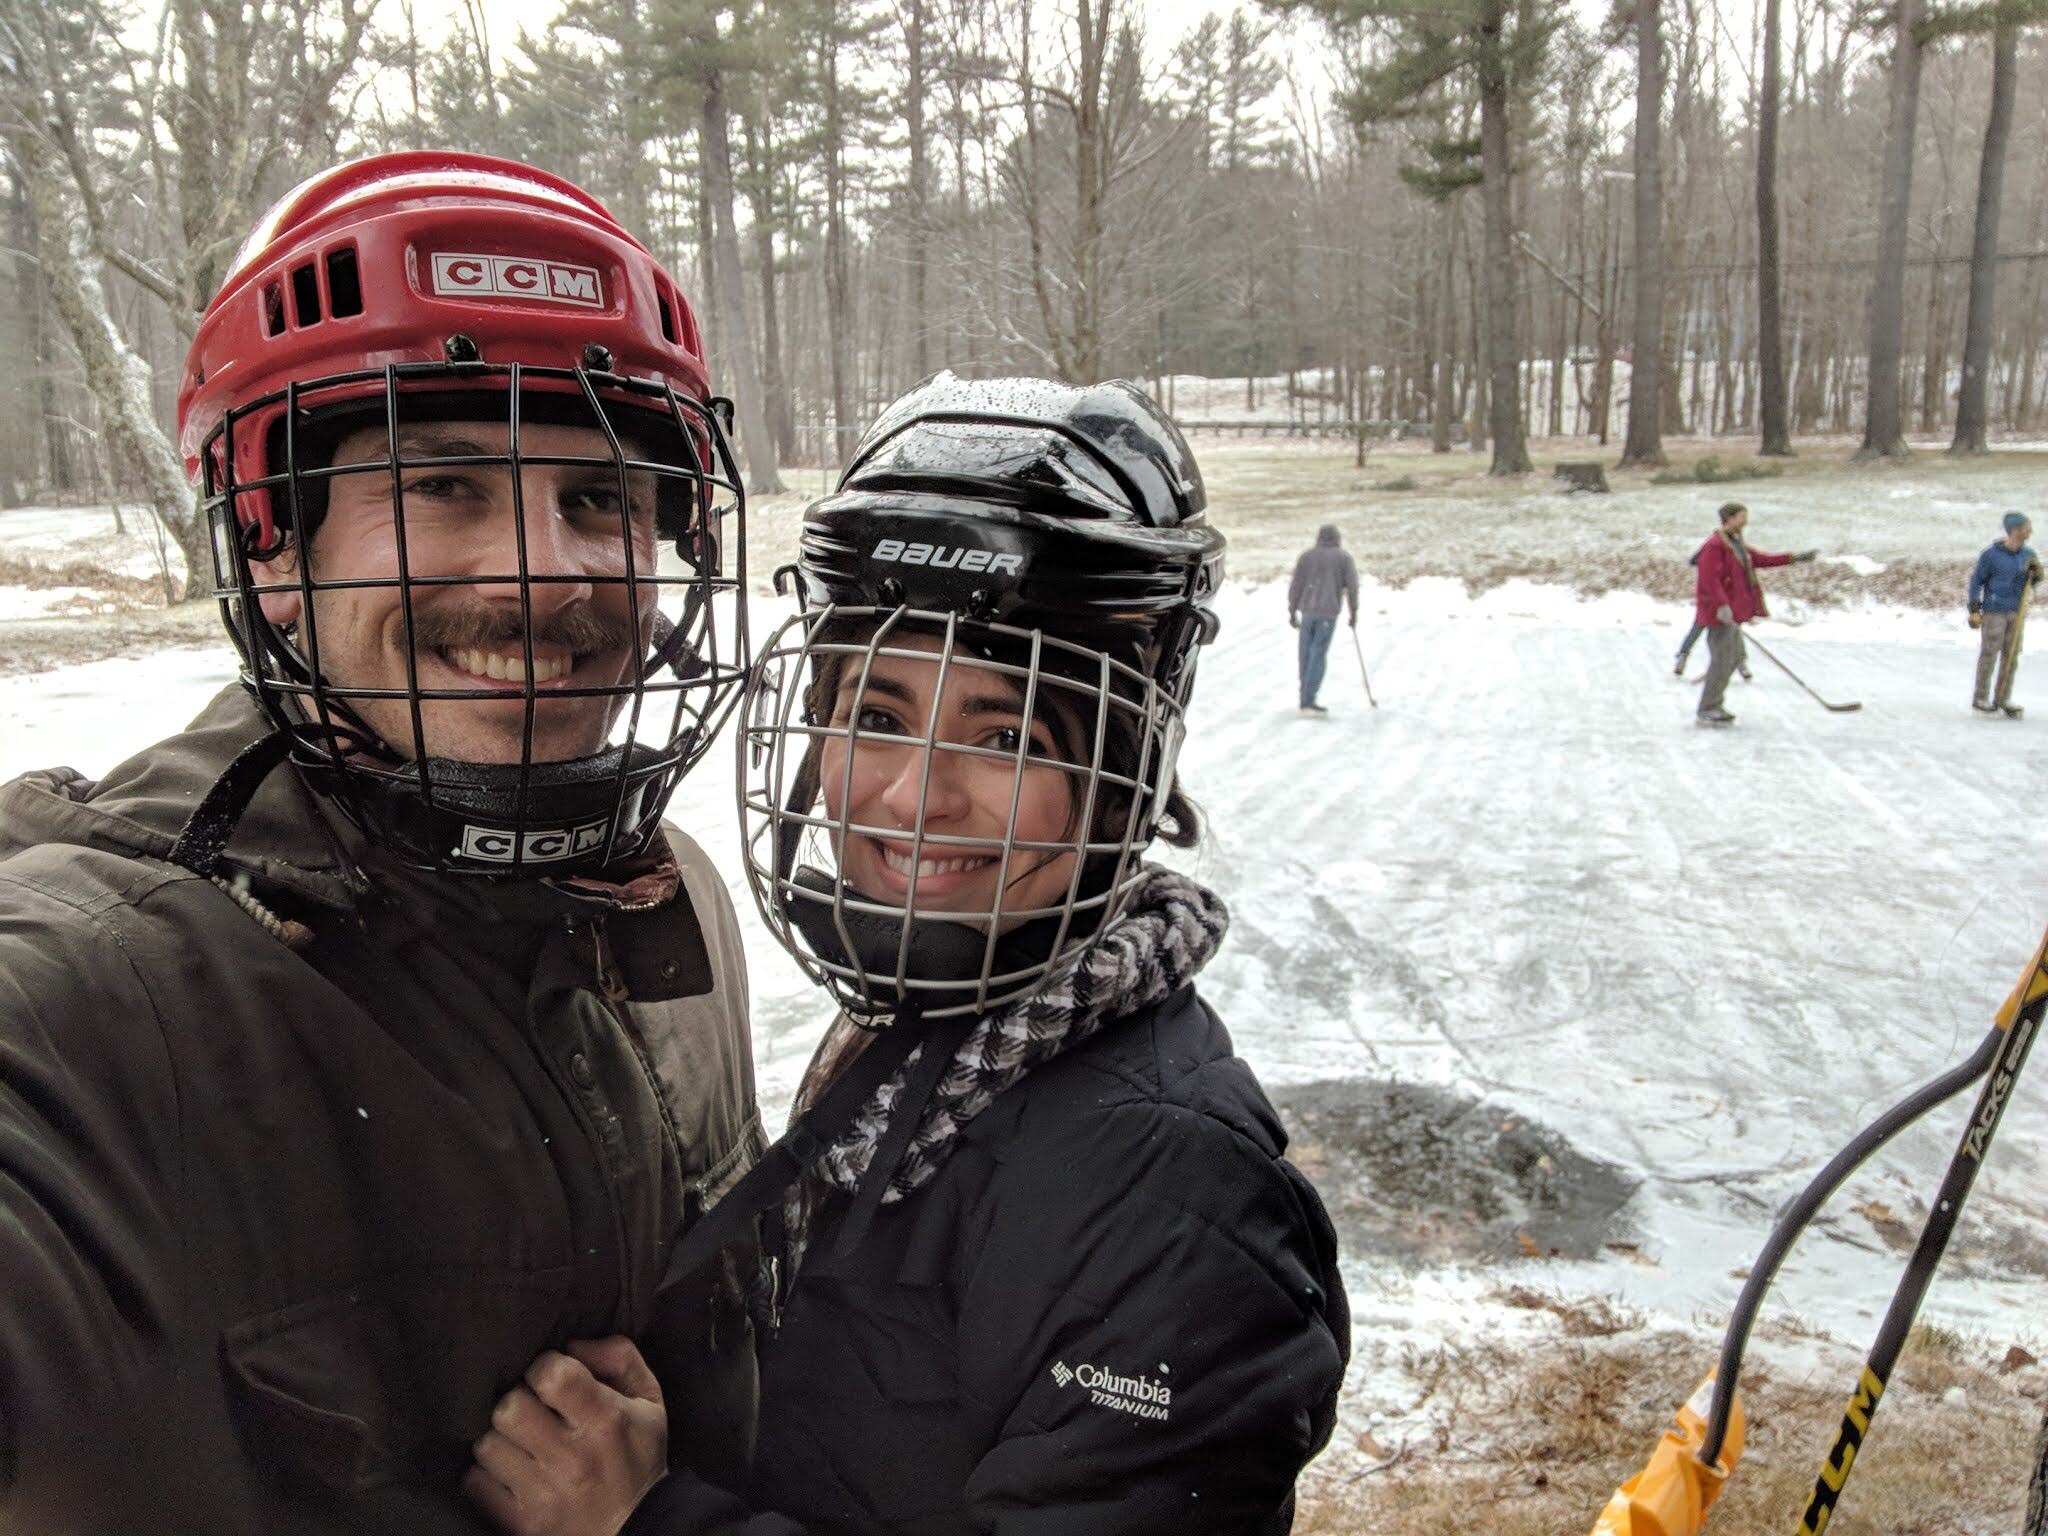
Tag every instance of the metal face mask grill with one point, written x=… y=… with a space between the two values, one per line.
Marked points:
x=490 y=603
x=936 y=812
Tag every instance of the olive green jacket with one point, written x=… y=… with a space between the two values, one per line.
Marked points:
x=301 y=1167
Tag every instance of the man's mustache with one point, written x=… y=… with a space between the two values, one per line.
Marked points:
x=582 y=630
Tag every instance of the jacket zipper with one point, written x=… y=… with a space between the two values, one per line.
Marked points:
x=609 y=981
x=774 y=1295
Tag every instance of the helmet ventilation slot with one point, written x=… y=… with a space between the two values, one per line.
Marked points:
x=306 y=295
x=344 y=283
x=668 y=314
x=273 y=309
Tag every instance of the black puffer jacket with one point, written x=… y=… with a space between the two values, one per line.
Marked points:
x=1114 y=1309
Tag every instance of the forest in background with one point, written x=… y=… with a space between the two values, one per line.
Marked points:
x=1480 y=219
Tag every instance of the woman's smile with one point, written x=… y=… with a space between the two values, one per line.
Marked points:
x=937 y=874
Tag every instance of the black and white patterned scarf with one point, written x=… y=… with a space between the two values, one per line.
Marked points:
x=1166 y=933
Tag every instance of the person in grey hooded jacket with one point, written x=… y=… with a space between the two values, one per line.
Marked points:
x=1325 y=580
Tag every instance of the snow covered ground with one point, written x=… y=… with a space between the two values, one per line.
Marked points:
x=1526 y=904
x=141 y=553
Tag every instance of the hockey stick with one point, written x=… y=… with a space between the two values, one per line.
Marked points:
x=1840 y=709
x=1375 y=703
x=2019 y=1021
x=1673 y=1493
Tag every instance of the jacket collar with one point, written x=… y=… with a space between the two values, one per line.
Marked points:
x=285 y=844
x=288 y=843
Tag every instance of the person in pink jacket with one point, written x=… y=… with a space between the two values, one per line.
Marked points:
x=1727 y=596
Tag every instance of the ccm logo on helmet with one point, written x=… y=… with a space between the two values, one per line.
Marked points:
x=493 y=845
x=946 y=557
x=517 y=277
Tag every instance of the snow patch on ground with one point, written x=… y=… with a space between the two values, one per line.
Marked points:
x=58 y=535
x=50 y=602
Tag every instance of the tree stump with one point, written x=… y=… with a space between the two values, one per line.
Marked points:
x=1582 y=475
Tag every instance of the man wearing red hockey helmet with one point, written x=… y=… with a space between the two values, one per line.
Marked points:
x=373 y=1035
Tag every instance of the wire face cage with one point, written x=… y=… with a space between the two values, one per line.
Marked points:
x=936 y=811
x=499 y=608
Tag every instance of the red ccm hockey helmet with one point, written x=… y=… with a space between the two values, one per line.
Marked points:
x=472 y=504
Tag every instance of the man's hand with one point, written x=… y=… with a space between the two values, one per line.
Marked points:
x=1293 y=619
x=573 y=1449
x=1354 y=618
x=1976 y=619
x=1725 y=614
x=1806 y=555
x=2034 y=573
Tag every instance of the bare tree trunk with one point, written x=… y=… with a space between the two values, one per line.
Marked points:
x=1445 y=406
x=1934 y=357
x=1776 y=433
x=1094 y=20
x=1510 y=453
x=1644 y=443
x=920 y=183
x=119 y=380
x=756 y=445
x=1970 y=404
x=838 y=280
x=761 y=197
x=1883 y=433
x=60 y=456
x=713 y=317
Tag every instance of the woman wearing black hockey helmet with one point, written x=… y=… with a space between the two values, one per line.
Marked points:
x=956 y=751
x=1037 y=1263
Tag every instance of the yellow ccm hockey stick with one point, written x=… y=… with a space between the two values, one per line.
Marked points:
x=1689 y=1468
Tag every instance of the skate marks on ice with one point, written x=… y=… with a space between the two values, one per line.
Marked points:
x=1331 y=974
x=1428 y=1175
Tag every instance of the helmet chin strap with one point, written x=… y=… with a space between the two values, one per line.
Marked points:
x=203 y=840
x=949 y=956
x=673 y=647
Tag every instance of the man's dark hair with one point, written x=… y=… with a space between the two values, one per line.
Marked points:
x=1729 y=509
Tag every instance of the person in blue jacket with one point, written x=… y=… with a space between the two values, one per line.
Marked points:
x=2002 y=576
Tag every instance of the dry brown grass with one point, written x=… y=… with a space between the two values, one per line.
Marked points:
x=1530 y=1440
x=36 y=645
x=115 y=588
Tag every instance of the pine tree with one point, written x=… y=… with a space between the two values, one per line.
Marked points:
x=1496 y=50
x=703 y=53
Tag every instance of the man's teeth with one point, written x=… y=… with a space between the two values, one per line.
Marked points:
x=510 y=669
x=901 y=864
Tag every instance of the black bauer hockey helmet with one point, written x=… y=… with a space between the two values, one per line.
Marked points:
x=1040 y=542
x=1079 y=511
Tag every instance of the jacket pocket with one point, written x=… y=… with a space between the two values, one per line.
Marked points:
x=387 y=1381
x=309 y=1396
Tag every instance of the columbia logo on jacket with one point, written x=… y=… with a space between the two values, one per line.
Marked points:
x=1138 y=1395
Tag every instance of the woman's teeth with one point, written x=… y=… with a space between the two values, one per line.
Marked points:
x=510 y=669
x=901 y=864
